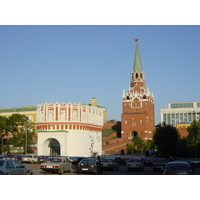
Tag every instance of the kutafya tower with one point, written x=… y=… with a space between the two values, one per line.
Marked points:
x=138 y=104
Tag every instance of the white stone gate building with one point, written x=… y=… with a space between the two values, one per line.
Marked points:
x=70 y=129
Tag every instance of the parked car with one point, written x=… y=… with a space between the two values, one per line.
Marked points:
x=42 y=159
x=195 y=161
x=73 y=159
x=14 y=167
x=79 y=159
x=1 y=173
x=120 y=160
x=89 y=165
x=178 y=168
x=56 y=164
x=135 y=164
x=188 y=161
x=159 y=164
x=148 y=161
x=109 y=164
x=30 y=159
x=15 y=157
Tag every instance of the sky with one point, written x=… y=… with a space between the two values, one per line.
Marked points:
x=76 y=63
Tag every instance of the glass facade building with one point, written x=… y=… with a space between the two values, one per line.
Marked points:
x=178 y=113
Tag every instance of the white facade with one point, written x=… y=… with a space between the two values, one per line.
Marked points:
x=182 y=112
x=69 y=129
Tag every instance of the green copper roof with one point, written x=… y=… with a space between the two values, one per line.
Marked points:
x=137 y=67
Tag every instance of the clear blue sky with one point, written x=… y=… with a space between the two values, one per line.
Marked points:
x=75 y=63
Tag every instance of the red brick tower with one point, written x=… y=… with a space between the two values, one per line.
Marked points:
x=137 y=105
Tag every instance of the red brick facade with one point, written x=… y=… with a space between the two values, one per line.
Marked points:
x=137 y=105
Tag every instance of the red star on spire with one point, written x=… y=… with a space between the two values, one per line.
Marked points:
x=136 y=40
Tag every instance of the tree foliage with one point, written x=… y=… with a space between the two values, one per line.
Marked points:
x=20 y=127
x=193 y=138
x=166 y=138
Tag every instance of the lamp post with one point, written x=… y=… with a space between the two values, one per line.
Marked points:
x=25 y=150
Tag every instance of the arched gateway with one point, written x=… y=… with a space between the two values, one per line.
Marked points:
x=51 y=147
x=70 y=129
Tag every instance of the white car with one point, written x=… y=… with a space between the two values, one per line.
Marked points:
x=135 y=164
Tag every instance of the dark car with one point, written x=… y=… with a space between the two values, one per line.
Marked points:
x=148 y=161
x=178 y=168
x=73 y=159
x=188 y=161
x=42 y=159
x=159 y=164
x=89 y=165
x=120 y=160
x=79 y=159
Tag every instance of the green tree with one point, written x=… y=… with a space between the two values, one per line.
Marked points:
x=193 y=138
x=22 y=130
x=166 y=138
x=3 y=130
x=130 y=148
x=138 y=143
x=183 y=149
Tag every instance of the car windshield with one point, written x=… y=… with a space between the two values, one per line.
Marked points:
x=87 y=161
x=54 y=160
x=134 y=160
x=1 y=163
x=178 y=166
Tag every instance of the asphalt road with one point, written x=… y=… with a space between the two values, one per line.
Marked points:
x=122 y=171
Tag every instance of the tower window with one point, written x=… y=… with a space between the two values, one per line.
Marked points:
x=141 y=76
x=136 y=76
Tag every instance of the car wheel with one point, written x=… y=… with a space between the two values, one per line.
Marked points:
x=62 y=171
x=28 y=173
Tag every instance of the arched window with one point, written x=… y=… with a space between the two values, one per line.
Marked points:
x=134 y=133
x=136 y=75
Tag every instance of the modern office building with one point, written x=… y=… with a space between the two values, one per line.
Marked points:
x=180 y=113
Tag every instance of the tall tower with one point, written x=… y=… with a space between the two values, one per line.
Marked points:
x=137 y=105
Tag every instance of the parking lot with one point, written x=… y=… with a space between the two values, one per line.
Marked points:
x=122 y=171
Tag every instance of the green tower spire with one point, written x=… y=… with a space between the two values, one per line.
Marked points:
x=137 y=67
